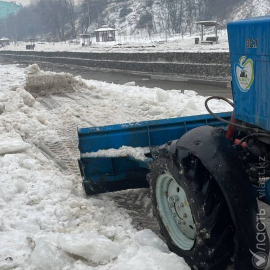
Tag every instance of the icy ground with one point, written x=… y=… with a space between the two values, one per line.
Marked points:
x=46 y=221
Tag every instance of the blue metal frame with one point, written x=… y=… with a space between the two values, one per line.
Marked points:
x=104 y=174
x=142 y=134
x=109 y=174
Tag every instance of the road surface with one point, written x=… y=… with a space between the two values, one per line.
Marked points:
x=139 y=79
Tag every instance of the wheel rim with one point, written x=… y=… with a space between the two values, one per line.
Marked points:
x=175 y=211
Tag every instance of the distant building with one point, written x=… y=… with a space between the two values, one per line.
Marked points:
x=4 y=41
x=105 y=34
x=7 y=8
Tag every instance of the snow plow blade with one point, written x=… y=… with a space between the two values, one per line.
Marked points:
x=107 y=174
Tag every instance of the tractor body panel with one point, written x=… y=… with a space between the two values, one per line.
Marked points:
x=249 y=42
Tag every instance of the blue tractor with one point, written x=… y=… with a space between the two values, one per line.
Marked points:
x=204 y=172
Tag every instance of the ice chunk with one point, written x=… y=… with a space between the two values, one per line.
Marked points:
x=20 y=185
x=28 y=99
x=10 y=143
x=147 y=258
x=192 y=105
x=14 y=102
x=41 y=118
x=162 y=95
x=190 y=109
x=93 y=247
x=33 y=69
x=30 y=164
x=45 y=256
x=189 y=112
x=190 y=93
x=156 y=110
x=150 y=239
x=130 y=84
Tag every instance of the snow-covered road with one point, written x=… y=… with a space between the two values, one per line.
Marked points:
x=179 y=44
x=46 y=221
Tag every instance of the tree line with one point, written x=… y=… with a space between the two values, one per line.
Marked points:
x=59 y=20
x=178 y=16
x=54 y=20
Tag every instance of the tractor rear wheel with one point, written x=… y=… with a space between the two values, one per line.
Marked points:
x=191 y=210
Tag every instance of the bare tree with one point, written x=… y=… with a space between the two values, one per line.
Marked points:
x=71 y=16
x=91 y=11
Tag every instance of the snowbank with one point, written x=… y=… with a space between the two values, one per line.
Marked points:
x=40 y=83
x=46 y=221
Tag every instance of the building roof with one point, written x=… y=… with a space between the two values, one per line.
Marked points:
x=104 y=29
x=207 y=23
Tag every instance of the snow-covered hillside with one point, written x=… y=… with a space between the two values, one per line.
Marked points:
x=150 y=17
x=251 y=8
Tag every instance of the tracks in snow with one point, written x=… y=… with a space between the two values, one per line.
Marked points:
x=65 y=153
x=138 y=204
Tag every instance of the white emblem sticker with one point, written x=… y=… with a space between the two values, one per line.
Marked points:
x=244 y=72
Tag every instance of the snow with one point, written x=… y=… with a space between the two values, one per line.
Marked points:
x=10 y=143
x=137 y=153
x=46 y=221
x=90 y=246
x=131 y=44
x=48 y=83
x=251 y=8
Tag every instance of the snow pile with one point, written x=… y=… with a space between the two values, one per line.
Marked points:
x=136 y=153
x=90 y=246
x=40 y=83
x=46 y=222
x=108 y=104
x=12 y=143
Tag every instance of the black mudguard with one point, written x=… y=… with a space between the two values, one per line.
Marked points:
x=220 y=158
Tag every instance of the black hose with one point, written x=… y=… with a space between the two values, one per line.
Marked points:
x=221 y=119
x=254 y=135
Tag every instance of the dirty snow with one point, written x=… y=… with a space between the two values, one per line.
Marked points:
x=46 y=221
x=136 y=153
x=40 y=83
